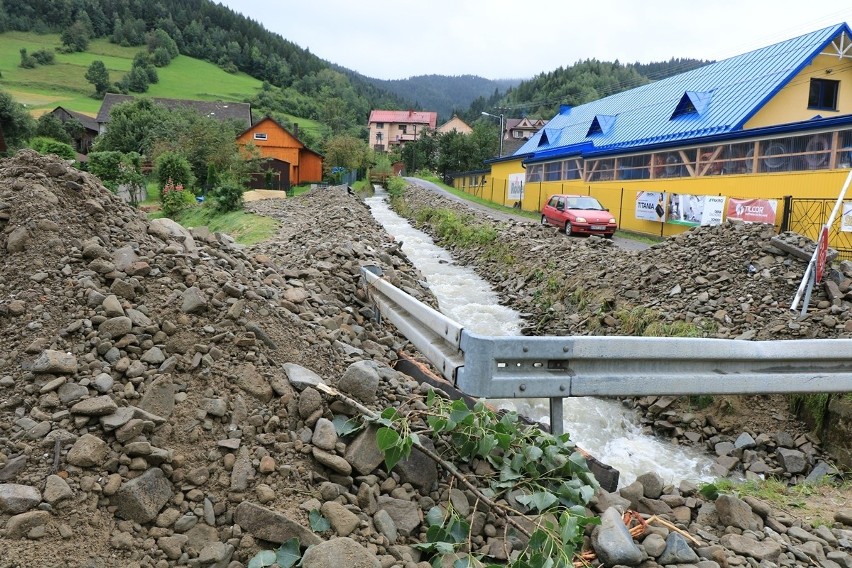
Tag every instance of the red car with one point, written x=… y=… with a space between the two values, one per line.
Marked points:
x=578 y=215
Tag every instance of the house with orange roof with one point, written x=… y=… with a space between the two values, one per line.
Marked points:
x=280 y=146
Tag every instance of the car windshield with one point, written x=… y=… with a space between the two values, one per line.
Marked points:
x=585 y=203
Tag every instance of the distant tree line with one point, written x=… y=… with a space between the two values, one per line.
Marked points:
x=583 y=82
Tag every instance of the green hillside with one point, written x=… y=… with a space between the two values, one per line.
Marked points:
x=63 y=84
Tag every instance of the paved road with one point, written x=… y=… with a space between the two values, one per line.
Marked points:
x=621 y=242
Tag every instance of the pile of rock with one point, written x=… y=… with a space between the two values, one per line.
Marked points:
x=726 y=531
x=160 y=388
x=143 y=395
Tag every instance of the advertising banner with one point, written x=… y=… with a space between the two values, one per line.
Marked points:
x=650 y=205
x=694 y=210
x=516 y=186
x=846 y=218
x=752 y=210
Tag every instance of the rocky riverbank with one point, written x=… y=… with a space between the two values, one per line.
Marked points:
x=162 y=400
x=729 y=281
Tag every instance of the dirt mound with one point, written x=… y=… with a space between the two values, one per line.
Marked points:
x=160 y=397
x=139 y=358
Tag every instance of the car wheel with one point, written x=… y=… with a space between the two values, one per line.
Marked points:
x=568 y=230
x=609 y=235
x=543 y=220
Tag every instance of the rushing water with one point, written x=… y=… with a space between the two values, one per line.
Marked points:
x=603 y=427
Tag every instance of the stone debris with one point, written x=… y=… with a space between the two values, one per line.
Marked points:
x=158 y=400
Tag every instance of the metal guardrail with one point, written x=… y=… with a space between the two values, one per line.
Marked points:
x=556 y=367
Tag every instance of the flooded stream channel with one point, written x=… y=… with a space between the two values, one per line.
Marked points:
x=603 y=427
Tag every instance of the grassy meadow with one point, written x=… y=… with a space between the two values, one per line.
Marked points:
x=47 y=86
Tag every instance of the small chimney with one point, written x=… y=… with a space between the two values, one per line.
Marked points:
x=296 y=129
x=565 y=109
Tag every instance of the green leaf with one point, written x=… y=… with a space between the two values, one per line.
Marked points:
x=390 y=414
x=541 y=500
x=318 y=522
x=460 y=412
x=468 y=562
x=586 y=493
x=504 y=440
x=437 y=424
x=486 y=445
x=532 y=453
x=509 y=474
x=393 y=456
x=538 y=540
x=445 y=547
x=344 y=425
x=288 y=554
x=459 y=530
x=387 y=438
x=262 y=559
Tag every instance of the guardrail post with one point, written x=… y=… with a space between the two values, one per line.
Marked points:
x=556 y=427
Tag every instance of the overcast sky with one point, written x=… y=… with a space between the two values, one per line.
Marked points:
x=495 y=39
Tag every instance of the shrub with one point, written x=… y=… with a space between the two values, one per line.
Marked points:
x=44 y=56
x=44 y=145
x=160 y=57
x=175 y=198
x=172 y=166
x=115 y=168
x=228 y=196
x=49 y=126
x=27 y=61
x=396 y=186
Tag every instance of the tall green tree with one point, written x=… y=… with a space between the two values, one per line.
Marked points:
x=132 y=127
x=76 y=37
x=17 y=124
x=98 y=76
x=345 y=151
x=49 y=126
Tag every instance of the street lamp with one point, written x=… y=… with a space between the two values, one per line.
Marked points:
x=500 y=116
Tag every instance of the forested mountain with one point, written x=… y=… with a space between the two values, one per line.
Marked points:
x=447 y=95
x=583 y=82
x=299 y=82
x=662 y=69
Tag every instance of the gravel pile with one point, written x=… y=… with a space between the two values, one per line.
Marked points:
x=162 y=398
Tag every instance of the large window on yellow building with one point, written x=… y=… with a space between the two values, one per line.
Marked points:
x=534 y=172
x=553 y=171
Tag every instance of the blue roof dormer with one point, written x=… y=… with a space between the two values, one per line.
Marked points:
x=601 y=124
x=692 y=103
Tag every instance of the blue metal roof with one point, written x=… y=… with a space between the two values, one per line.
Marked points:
x=725 y=94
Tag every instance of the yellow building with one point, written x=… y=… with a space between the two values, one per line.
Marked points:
x=773 y=125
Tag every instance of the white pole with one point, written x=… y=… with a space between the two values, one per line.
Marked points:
x=812 y=262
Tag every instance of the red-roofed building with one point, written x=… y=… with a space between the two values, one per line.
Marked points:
x=390 y=128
